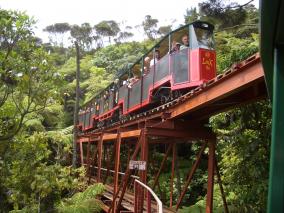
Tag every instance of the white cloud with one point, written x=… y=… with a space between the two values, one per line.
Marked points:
x=48 y=12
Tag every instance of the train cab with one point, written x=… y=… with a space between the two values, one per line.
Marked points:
x=186 y=57
x=182 y=60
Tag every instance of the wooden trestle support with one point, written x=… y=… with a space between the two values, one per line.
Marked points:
x=142 y=136
x=184 y=120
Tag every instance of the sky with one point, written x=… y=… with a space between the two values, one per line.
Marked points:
x=131 y=12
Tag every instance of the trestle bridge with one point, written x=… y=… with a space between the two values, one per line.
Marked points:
x=107 y=152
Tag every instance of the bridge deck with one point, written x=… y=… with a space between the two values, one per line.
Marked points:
x=128 y=201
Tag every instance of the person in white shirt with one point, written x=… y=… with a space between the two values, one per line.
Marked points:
x=156 y=58
x=185 y=42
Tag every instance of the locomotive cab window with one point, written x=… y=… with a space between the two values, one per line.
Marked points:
x=179 y=40
x=201 y=36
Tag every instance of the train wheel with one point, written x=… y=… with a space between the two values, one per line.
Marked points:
x=120 y=113
x=164 y=99
x=100 y=124
x=176 y=94
x=165 y=95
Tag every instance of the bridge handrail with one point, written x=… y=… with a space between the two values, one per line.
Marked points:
x=159 y=202
x=120 y=173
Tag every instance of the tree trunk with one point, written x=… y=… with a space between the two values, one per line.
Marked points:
x=177 y=172
x=76 y=108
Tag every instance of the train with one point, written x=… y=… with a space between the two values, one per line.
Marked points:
x=182 y=60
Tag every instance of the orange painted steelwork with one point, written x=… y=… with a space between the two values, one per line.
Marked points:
x=230 y=85
x=183 y=118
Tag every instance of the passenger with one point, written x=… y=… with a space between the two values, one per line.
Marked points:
x=185 y=42
x=155 y=58
x=116 y=81
x=132 y=81
x=124 y=82
x=146 y=65
x=175 y=47
x=115 y=88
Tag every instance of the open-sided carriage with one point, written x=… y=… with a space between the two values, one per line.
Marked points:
x=144 y=85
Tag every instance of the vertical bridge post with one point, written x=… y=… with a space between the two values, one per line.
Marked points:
x=210 y=183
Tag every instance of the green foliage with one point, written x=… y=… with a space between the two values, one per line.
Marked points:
x=186 y=158
x=85 y=202
x=150 y=27
x=34 y=173
x=243 y=156
x=225 y=16
x=52 y=115
x=164 y=30
x=27 y=76
x=244 y=138
x=191 y=15
x=83 y=35
x=92 y=79
x=117 y=57
x=101 y=78
x=57 y=30
x=232 y=50
x=107 y=29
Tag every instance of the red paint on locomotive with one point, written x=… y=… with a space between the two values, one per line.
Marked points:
x=200 y=65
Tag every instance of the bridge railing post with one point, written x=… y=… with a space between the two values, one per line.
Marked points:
x=172 y=175
x=150 y=193
x=100 y=147
x=127 y=175
x=81 y=153
x=210 y=183
x=190 y=175
x=116 y=166
x=143 y=173
x=148 y=202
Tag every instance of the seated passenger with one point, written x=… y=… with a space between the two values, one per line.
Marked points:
x=115 y=89
x=132 y=81
x=175 y=47
x=185 y=42
x=155 y=58
x=125 y=82
x=146 y=65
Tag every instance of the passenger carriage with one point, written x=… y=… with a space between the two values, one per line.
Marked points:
x=172 y=75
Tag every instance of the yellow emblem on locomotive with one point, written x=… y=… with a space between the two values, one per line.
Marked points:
x=207 y=61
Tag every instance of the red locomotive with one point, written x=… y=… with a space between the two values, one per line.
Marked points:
x=174 y=69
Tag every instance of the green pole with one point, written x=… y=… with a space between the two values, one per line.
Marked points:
x=276 y=175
